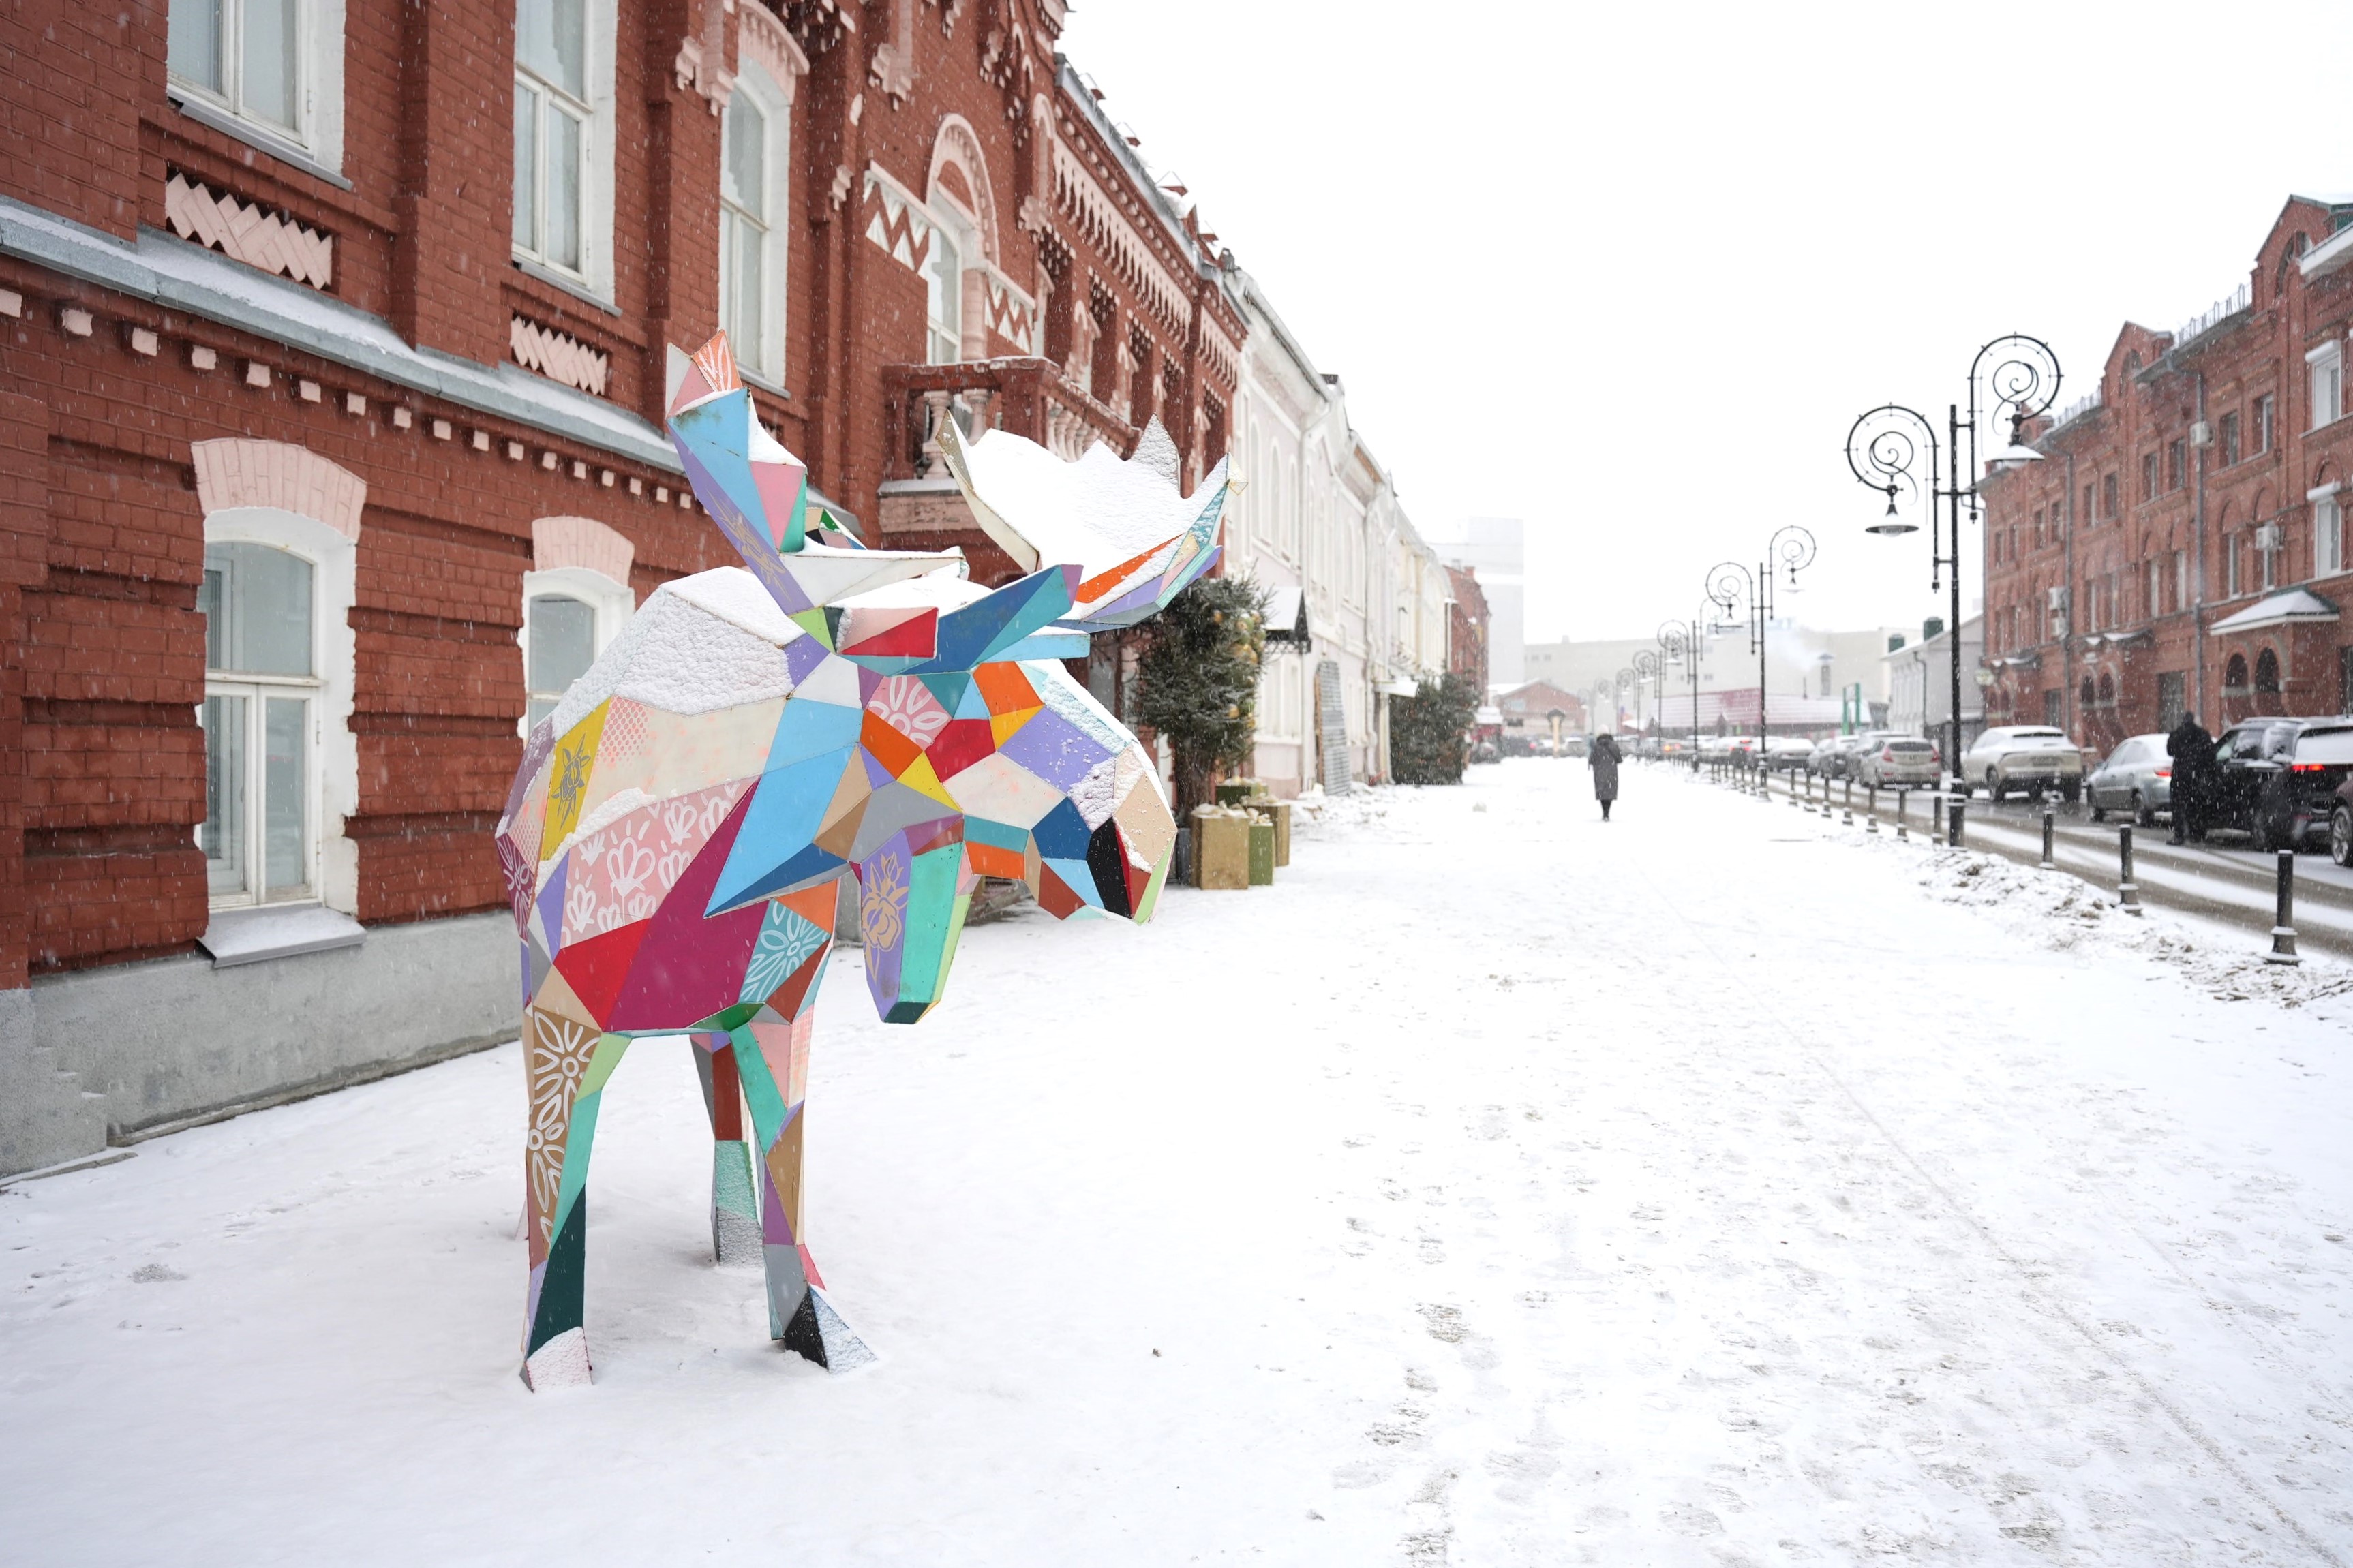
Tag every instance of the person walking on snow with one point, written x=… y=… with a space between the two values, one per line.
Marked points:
x=1603 y=757
x=2193 y=751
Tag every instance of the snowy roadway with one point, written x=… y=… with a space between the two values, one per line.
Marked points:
x=1502 y=1187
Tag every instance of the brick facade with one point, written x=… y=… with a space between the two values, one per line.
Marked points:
x=164 y=284
x=2137 y=571
x=1466 y=629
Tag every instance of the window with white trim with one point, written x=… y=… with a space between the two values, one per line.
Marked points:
x=570 y=615
x=261 y=688
x=944 y=289
x=562 y=147
x=753 y=167
x=2327 y=533
x=2326 y=365
x=2156 y=588
x=274 y=64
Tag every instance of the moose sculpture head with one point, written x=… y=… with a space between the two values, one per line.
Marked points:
x=674 y=835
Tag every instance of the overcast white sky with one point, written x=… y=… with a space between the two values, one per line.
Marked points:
x=1630 y=272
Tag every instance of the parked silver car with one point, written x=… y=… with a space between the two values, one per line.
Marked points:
x=2138 y=777
x=1901 y=762
x=2025 y=757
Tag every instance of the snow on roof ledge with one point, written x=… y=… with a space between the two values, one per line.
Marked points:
x=2296 y=605
x=2328 y=256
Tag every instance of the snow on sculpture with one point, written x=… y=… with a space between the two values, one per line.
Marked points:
x=673 y=839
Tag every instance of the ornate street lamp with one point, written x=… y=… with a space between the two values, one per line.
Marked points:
x=1646 y=671
x=1679 y=644
x=1732 y=586
x=1884 y=449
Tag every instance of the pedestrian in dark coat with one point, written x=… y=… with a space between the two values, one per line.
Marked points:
x=2193 y=751
x=1603 y=757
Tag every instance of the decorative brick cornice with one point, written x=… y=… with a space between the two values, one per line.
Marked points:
x=557 y=356
x=248 y=234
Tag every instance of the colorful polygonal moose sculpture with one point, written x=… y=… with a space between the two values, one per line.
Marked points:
x=673 y=837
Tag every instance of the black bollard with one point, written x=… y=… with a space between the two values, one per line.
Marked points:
x=1953 y=825
x=2050 y=828
x=2284 y=930
x=1936 y=820
x=1902 y=828
x=1846 y=807
x=2127 y=893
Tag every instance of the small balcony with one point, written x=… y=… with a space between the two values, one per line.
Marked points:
x=920 y=507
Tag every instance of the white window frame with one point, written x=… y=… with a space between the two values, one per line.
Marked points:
x=332 y=759
x=763 y=362
x=2156 y=587
x=595 y=272
x=612 y=604
x=953 y=227
x=2327 y=530
x=317 y=135
x=2326 y=366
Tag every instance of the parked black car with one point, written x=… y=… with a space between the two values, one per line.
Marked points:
x=2280 y=780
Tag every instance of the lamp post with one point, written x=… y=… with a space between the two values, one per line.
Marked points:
x=1646 y=671
x=1731 y=584
x=1678 y=643
x=1883 y=446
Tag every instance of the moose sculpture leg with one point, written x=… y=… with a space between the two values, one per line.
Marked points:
x=734 y=1199
x=565 y=1065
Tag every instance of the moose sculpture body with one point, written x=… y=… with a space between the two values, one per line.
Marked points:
x=673 y=837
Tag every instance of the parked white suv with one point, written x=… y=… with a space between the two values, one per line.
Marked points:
x=2027 y=757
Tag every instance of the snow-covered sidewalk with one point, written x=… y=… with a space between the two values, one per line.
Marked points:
x=1501 y=1187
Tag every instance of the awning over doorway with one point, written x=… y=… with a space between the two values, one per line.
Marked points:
x=2279 y=610
x=1286 y=617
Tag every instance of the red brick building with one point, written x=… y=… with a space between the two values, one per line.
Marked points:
x=1466 y=628
x=330 y=371
x=2183 y=547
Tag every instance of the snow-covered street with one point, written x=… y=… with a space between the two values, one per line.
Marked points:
x=1714 y=1185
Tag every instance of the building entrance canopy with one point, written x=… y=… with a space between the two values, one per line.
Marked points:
x=2295 y=606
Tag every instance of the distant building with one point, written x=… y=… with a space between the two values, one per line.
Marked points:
x=1467 y=628
x=1815 y=677
x=1496 y=547
x=1920 y=684
x=1529 y=712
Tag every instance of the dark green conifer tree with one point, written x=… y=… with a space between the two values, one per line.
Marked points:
x=1198 y=681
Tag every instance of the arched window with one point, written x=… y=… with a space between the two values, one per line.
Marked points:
x=575 y=600
x=2267 y=680
x=281 y=764
x=2108 y=690
x=943 y=293
x=2088 y=698
x=2234 y=675
x=962 y=206
x=753 y=185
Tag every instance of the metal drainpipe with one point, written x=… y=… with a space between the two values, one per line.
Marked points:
x=2198 y=565
x=2067 y=643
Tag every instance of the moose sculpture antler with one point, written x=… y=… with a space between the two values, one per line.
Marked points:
x=673 y=837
